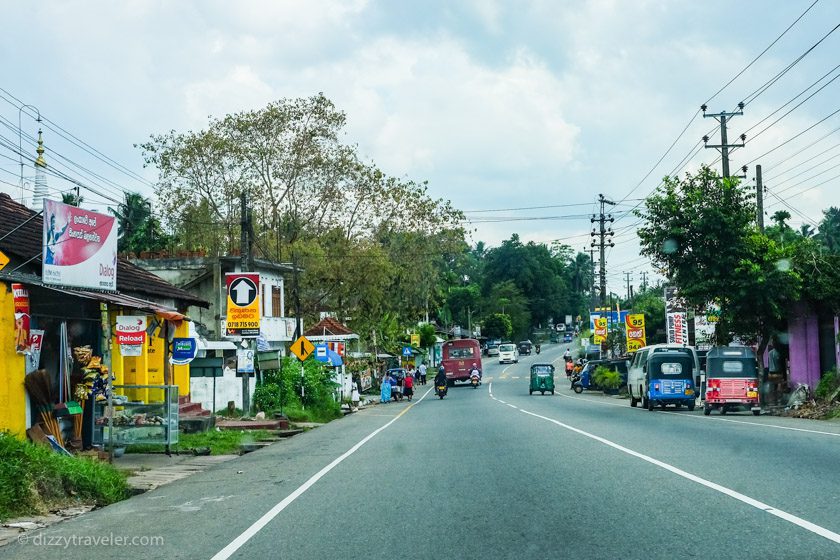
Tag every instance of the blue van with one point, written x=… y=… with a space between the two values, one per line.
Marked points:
x=669 y=379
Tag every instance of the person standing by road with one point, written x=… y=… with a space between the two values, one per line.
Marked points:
x=385 y=389
x=775 y=374
x=408 y=387
x=422 y=370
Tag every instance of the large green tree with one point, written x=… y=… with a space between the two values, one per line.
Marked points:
x=701 y=230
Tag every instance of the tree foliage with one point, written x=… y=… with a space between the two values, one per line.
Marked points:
x=498 y=325
x=701 y=230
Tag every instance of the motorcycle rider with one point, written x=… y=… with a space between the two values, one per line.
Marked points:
x=475 y=372
x=567 y=355
x=440 y=380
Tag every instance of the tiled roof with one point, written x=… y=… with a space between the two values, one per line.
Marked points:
x=327 y=326
x=26 y=242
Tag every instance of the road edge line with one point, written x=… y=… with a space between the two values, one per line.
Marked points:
x=267 y=517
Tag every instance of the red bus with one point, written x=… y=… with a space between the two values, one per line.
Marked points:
x=458 y=358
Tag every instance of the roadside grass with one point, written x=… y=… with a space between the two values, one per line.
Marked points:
x=34 y=479
x=295 y=413
x=223 y=442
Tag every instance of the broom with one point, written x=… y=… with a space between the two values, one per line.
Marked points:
x=37 y=384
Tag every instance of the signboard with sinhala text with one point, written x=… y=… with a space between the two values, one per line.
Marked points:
x=243 y=304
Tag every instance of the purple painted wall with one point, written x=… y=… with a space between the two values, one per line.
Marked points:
x=803 y=329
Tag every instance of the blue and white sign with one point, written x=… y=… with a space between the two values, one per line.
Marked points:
x=322 y=353
x=183 y=351
x=406 y=351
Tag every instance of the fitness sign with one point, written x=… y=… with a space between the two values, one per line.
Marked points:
x=243 y=304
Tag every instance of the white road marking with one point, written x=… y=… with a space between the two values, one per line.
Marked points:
x=798 y=521
x=704 y=418
x=249 y=533
x=514 y=377
x=512 y=406
x=501 y=401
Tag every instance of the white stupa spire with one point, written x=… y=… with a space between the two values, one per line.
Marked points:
x=41 y=191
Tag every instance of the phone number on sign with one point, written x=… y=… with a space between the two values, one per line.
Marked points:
x=243 y=324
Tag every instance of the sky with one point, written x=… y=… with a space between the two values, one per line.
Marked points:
x=502 y=106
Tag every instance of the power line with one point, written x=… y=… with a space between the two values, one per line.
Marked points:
x=794 y=137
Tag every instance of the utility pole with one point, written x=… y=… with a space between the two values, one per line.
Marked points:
x=605 y=240
x=644 y=280
x=591 y=251
x=724 y=145
x=627 y=276
x=245 y=266
x=759 y=198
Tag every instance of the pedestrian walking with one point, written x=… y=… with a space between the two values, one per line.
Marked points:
x=408 y=387
x=423 y=374
x=385 y=389
x=354 y=396
x=775 y=374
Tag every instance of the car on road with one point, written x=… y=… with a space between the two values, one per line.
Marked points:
x=567 y=337
x=508 y=353
x=492 y=350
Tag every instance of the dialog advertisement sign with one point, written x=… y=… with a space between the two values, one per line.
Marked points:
x=130 y=333
x=243 y=304
x=20 y=297
x=635 y=326
x=80 y=247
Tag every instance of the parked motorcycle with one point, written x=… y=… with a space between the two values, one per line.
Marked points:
x=577 y=386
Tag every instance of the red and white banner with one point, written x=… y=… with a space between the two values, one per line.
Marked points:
x=131 y=330
x=677 y=327
x=80 y=247
x=21 y=303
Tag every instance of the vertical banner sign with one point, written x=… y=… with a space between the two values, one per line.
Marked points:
x=36 y=341
x=21 y=303
x=243 y=304
x=704 y=327
x=600 y=330
x=635 y=326
x=675 y=317
x=131 y=334
x=415 y=340
x=80 y=247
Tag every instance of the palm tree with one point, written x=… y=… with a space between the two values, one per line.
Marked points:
x=71 y=198
x=781 y=217
x=133 y=216
x=806 y=231
x=829 y=233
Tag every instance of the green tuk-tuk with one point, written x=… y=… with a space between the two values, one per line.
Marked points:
x=542 y=379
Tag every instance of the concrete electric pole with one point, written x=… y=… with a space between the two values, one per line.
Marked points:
x=724 y=145
x=605 y=240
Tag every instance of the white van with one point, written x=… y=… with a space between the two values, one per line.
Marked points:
x=638 y=368
x=508 y=354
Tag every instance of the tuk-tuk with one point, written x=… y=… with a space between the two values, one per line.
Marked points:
x=586 y=379
x=525 y=347
x=731 y=379
x=669 y=379
x=554 y=337
x=542 y=379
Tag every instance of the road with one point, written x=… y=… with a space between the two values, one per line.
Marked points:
x=496 y=473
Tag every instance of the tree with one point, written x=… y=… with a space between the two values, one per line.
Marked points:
x=138 y=230
x=463 y=301
x=701 y=231
x=428 y=336
x=829 y=230
x=71 y=198
x=507 y=298
x=497 y=325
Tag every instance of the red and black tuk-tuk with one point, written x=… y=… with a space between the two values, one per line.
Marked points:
x=731 y=380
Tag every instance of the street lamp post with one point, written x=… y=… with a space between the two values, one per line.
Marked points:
x=20 y=140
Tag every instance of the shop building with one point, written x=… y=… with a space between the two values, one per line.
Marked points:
x=61 y=317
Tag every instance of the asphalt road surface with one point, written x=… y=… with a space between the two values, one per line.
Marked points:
x=496 y=473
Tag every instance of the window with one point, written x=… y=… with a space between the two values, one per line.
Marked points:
x=276 y=302
x=671 y=368
x=733 y=367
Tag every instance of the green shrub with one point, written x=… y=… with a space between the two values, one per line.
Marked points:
x=267 y=397
x=34 y=479
x=606 y=378
x=829 y=383
x=317 y=403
